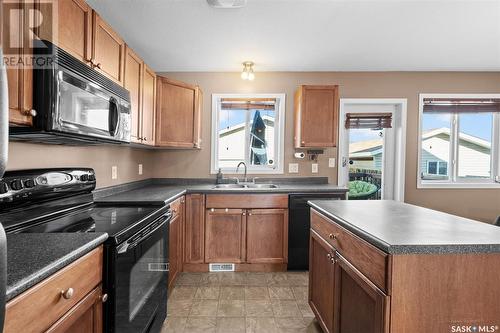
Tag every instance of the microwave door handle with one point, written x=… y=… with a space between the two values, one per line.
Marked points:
x=113 y=117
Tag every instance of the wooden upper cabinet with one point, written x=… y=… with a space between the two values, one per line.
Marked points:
x=74 y=31
x=178 y=112
x=267 y=236
x=133 y=83
x=225 y=235
x=108 y=53
x=148 y=106
x=316 y=116
x=322 y=282
x=20 y=78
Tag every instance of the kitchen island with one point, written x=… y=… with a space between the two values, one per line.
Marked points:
x=385 y=266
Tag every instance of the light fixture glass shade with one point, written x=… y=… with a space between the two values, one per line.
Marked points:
x=247 y=73
x=251 y=76
x=244 y=75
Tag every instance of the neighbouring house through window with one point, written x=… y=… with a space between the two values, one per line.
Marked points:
x=459 y=140
x=250 y=129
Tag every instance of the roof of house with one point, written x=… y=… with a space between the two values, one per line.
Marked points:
x=374 y=147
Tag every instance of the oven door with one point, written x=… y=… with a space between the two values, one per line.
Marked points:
x=85 y=108
x=141 y=278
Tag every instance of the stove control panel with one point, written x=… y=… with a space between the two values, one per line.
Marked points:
x=24 y=185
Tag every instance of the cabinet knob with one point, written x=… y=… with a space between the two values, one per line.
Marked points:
x=243 y=214
x=328 y=255
x=212 y=210
x=226 y=210
x=250 y=213
x=31 y=112
x=104 y=298
x=332 y=236
x=68 y=293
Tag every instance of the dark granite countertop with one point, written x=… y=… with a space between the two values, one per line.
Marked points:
x=160 y=194
x=33 y=257
x=400 y=228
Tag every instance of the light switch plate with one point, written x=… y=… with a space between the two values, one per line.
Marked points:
x=114 y=172
x=293 y=168
x=314 y=168
x=140 y=169
x=332 y=163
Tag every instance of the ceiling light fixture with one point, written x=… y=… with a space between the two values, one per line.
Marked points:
x=227 y=4
x=247 y=73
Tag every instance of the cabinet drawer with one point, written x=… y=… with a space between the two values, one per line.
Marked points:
x=175 y=206
x=39 y=307
x=369 y=260
x=243 y=201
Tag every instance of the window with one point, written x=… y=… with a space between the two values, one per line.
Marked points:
x=459 y=143
x=250 y=129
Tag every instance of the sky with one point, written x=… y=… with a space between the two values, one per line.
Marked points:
x=228 y=118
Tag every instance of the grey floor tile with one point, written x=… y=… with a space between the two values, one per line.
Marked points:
x=201 y=325
x=179 y=308
x=183 y=292
x=232 y=292
x=204 y=308
x=258 y=308
x=210 y=279
x=285 y=308
x=277 y=292
x=207 y=292
x=233 y=279
x=231 y=325
x=257 y=279
x=305 y=309
x=261 y=325
x=231 y=308
x=255 y=292
x=174 y=325
x=301 y=293
x=188 y=279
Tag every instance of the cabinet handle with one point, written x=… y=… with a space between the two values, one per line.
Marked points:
x=212 y=210
x=31 y=112
x=249 y=213
x=332 y=236
x=104 y=298
x=67 y=294
x=328 y=255
x=226 y=210
x=243 y=214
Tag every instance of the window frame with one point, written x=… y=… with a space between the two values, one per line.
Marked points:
x=279 y=134
x=437 y=168
x=453 y=180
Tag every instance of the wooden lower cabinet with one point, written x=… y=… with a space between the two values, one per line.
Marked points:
x=85 y=317
x=321 y=281
x=360 y=306
x=194 y=229
x=225 y=235
x=175 y=239
x=267 y=236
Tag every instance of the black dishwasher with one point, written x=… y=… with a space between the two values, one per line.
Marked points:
x=299 y=225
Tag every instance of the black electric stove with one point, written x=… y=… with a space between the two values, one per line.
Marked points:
x=136 y=252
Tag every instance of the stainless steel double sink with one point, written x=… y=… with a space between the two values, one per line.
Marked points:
x=245 y=186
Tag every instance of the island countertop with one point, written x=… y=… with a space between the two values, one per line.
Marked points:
x=400 y=228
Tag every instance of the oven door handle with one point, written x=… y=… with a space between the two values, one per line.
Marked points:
x=131 y=242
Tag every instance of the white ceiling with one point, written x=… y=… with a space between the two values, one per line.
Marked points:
x=311 y=35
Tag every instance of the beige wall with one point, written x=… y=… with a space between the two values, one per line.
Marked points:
x=100 y=158
x=479 y=204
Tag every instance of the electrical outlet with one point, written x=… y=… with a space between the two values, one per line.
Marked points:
x=332 y=163
x=314 y=168
x=293 y=168
x=140 y=169
x=114 y=172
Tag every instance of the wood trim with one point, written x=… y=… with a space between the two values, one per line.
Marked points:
x=40 y=306
x=243 y=201
x=368 y=259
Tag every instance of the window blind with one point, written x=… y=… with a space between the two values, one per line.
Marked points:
x=460 y=105
x=242 y=104
x=368 y=120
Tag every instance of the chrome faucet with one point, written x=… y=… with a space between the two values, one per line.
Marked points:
x=238 y=167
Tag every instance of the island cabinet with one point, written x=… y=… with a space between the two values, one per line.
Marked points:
x=68 y=301
x=316 y=116
x=356 y=287
x=175 y=240
x=178 y=114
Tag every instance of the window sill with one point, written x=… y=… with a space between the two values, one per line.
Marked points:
x=458 y=185
x=232 y=171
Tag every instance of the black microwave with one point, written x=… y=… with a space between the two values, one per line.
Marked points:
x=75 y=104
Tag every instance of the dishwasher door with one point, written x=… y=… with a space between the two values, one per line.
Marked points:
x=299 y=224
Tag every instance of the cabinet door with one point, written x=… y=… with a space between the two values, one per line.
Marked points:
x=225 y=235
x=316 y=116
x=148 y=106
x=19 y=77
x=74 y=33
x=321 y=281
x=85 y=317
x=108 y=51
x=267 y=236
x=360 y=307
x=173 y=250
x=176 y=116
x=133 y=83
x=194 y=229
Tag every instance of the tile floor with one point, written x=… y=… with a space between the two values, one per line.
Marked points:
x=240 y=302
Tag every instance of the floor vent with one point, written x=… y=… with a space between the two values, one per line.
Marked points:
x=221 y=267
